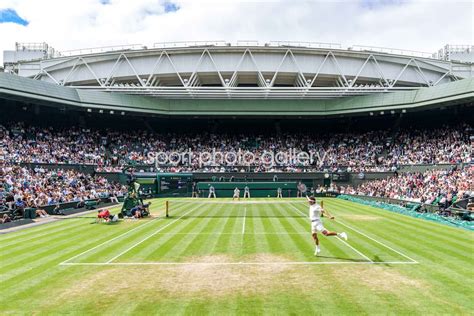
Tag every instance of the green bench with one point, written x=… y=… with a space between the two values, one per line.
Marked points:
x=30 y=212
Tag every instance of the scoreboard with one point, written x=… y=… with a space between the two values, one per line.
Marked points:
x=174 y=183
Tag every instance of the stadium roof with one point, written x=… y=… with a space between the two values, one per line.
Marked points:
x=220 y=70
x=38 y=92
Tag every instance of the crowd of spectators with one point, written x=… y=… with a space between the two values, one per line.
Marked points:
x=435 y=187
x=110 y=150
x=22 y=187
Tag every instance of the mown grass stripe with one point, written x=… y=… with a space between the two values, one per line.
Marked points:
x=176 y=235
x=432 y=229
x=113 y=247
x=235 y=242
x=248 y=239
x=44 y=228
x=274 y=243
x=41 y=267
x=436 y=254
x=165 y=241
x=303 y=244
x=24 y=248
x=395 y=226
x=188 y=244
x=112 y=239
x=440 y=284
x=133 y=248
x=261 y=243
x=207 y=245
x=19 y=270
x=229 y=243
x=30 y=255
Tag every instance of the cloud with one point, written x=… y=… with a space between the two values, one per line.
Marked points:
x=10 y=16
x=74 y=24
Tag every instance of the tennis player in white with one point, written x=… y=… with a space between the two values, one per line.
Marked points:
x=246 y=192
x=315 y=213
x=236 y=194
x=212 y=192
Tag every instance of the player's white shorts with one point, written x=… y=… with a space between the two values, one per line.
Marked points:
x=317 y=227
x=235 y=196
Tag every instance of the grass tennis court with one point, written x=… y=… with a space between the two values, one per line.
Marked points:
x=253 y=257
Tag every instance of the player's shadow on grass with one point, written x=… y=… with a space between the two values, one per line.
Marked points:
x=380 y=261
x=341 y=258
x=106 y=224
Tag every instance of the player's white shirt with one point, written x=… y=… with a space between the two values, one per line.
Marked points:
x=315 y=211
x=236 y=191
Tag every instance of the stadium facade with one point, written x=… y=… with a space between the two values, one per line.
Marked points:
x=219 y=78
x=239 y=71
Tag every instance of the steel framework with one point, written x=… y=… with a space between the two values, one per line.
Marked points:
x=245 y=70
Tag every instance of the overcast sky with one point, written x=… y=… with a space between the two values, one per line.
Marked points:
x=422 y=25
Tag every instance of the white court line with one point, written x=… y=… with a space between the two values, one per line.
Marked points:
x=360 y=253
x=228 y=263
x=379 y=242
x=107 y=241
x=343 y=241
x=358 y=231
x=148 y=237
x=243 y=224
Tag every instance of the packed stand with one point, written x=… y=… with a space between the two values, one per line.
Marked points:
x=356 y=152
x=435 y=187
x=22 y=187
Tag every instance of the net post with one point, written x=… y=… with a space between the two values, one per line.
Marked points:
x=167 y=208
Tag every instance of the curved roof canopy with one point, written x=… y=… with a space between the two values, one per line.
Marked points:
x=34 y=91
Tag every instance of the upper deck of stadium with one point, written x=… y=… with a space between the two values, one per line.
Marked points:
x=242 y=70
